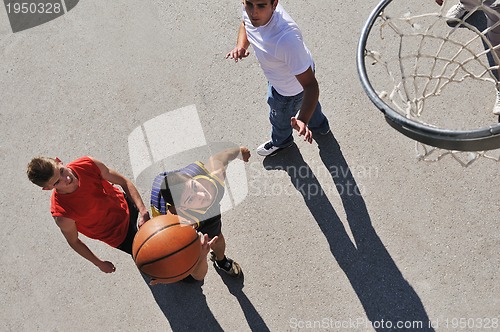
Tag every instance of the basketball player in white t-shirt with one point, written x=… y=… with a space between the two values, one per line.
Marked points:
x=289 y=68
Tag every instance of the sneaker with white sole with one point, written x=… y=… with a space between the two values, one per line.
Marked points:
x=455 y=14
x=268 y=149
x=496 y=107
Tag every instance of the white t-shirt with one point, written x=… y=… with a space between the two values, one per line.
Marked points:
x=281 y=51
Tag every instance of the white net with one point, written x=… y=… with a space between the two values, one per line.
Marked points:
x=437 y=71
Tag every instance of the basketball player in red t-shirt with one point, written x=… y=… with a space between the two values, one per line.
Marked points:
x=85 y=201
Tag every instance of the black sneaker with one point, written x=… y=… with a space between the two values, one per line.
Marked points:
x=230 y=267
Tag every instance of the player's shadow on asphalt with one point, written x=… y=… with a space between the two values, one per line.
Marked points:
x=373 y=274
x=235 y=287
x=186 y=309
x=185 y=306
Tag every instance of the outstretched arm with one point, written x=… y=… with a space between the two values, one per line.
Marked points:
x=127 y=185
x=68 y=228
x=242 y=44
x=217 y=163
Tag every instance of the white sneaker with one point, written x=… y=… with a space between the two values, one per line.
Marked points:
x=496 y=107
x=268 y=149
x=455 y=14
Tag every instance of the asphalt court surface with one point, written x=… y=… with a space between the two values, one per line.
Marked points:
x=347 y=233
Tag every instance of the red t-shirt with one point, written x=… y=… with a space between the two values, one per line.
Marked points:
x=98 y=208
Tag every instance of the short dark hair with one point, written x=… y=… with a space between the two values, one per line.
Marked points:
x=40 y=170
x=172 y=187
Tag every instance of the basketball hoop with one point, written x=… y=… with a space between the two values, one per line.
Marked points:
x=435 y=84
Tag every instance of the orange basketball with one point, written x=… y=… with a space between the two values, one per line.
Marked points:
x=166 y=248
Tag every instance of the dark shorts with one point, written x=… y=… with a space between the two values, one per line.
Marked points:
x=212 y=227
x=126 y=245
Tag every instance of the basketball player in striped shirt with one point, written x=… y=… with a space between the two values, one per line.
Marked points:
x=194 y=193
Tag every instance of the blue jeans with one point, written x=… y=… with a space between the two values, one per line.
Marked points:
x=282 y=109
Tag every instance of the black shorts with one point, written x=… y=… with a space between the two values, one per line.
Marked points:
x=212 y=226
x=126 y=245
